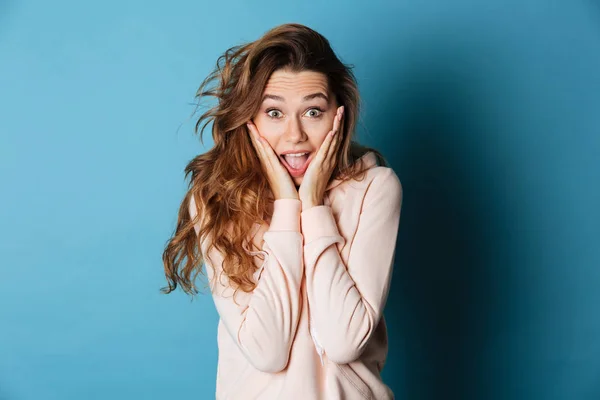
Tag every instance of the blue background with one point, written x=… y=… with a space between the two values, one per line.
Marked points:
x=489 y=112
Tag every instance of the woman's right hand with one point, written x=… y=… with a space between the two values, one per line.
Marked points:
x=281 y=181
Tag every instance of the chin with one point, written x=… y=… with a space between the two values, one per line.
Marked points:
x=298 y=181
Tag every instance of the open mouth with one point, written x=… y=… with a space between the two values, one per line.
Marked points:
x=296 y=165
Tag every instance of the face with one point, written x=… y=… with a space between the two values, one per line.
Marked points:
x=295 y=116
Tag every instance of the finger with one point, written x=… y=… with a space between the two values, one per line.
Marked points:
x=253 y=135
x=337 y=121
x=257 y=142
x=266 y=146
x=337 y=138
x=270 y=153
x=325 y=150
x=270 y=158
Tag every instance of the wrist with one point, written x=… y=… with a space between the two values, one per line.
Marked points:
x=286 y=215
x=306 y=204
x=288 y=196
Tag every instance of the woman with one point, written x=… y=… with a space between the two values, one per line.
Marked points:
x=295 y=222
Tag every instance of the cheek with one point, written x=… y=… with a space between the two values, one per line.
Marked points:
x=270 y=132
x=317 y=137
x=321 y=128
x=271 y=139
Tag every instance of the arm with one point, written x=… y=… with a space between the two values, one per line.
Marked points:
x=347 y=301
x=264 y=328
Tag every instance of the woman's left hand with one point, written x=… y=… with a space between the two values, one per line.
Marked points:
x=319 y=171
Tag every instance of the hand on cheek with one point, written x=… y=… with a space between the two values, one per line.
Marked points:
x=316 y=178
x=280 y=181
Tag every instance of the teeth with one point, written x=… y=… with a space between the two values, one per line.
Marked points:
x=295 y=155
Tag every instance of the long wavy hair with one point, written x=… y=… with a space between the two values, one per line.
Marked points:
x=227 y=182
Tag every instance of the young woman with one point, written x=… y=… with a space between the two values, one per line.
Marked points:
x=295 y=222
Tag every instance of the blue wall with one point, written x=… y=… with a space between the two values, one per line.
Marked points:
x=488 y=111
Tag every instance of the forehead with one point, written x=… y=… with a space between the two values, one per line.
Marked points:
x=301 y=83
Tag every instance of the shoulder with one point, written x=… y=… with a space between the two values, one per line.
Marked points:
x=375 y=183
x=379 y=176
x=380 y=186
x=382 y=183
x=385 y=176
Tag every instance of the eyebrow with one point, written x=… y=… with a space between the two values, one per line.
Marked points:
x=305 y=98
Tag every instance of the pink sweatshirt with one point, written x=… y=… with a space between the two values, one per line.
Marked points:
x=313 y=327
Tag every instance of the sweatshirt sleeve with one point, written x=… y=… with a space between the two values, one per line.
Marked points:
x=263 y=324
x=347 y=300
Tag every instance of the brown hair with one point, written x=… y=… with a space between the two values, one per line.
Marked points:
x=227 y=182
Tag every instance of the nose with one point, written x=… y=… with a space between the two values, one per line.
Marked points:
x=294 y=132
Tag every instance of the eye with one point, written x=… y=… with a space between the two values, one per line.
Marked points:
x=314 y=112
x=273 y=113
